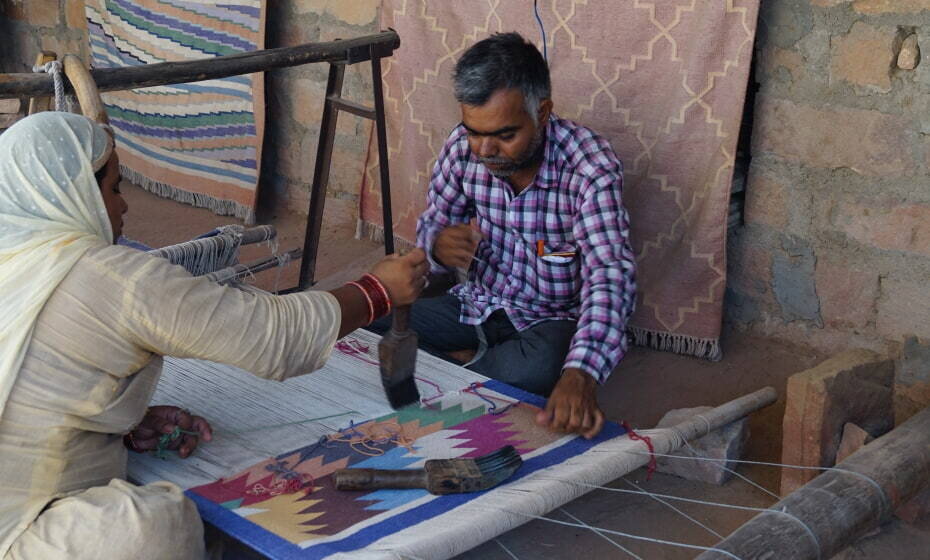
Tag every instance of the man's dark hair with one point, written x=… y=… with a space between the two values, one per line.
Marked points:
x=502 y=61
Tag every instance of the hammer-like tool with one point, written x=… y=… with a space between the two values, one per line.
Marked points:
x=439 y=476
x=397 y=356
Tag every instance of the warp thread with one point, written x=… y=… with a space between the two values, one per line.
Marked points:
x=357 y=349
x=473 y=390
x=648 y=441
x=205 y=255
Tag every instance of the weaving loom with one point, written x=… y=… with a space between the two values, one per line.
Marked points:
x=264 y=430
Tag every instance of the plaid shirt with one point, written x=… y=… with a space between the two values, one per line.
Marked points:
x=573 y=204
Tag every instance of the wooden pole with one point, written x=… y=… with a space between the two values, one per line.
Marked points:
x=349 y=51
x=836 y=508
x=85 y=90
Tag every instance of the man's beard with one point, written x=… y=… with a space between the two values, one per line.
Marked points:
x=530 y=157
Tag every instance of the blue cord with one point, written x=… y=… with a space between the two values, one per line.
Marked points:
x=542 y=30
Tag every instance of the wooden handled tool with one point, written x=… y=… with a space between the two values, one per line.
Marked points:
x=397 y=357
x=439 y=476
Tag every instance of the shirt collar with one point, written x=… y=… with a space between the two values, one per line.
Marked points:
x=548 y=176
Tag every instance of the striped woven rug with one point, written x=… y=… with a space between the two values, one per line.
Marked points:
x=198 y=143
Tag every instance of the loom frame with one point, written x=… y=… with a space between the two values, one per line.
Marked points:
x=338 y=54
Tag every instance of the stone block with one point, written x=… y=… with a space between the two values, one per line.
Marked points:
x=902 y=308
x=356 y=12
x=854 y=438
x=886 y=225
x=783 y=23
x=917 y=510
x=909 y=55
x=829 y=3
x=793 y=281
x=725 y=443
x=774 y=58
x=875 y=7
x=766 y=201
x=912 y=380
x=306 y=101
x=749 y=269
x=867 y=142
x=864 y=56
x=40 y=13
x=74 y=14
x=847 y=294
x=855 y=386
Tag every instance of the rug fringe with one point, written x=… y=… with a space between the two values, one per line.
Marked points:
x=707 y=348
x=375 y=232
x=164 y=190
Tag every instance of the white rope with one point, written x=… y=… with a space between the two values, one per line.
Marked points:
x=622 y=534
x=675 y=509
x=746 y=479
x=507 y=550
x=868 y=479
x=603 y=536
x=654 y=495
x=54 y=68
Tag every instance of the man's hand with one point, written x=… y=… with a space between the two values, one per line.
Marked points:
x=455 y=246
x=161 y=420
x=572 y=406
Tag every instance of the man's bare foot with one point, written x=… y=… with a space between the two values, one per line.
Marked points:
x=463 y=356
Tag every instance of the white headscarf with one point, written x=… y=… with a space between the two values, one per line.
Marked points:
x=51 y=213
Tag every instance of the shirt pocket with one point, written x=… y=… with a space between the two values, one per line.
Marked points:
x=558 y=270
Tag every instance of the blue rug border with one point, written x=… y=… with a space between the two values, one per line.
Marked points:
x=273 y=546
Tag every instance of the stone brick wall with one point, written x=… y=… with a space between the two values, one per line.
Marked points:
x=835 y=249
x=28 y=27
x=295 y=102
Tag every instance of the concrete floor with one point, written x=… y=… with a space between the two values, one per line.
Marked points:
x=641 y=390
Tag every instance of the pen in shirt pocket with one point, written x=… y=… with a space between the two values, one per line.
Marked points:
x=554 y=256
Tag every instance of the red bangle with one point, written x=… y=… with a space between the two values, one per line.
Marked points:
x=371 y=305
x=387 y=297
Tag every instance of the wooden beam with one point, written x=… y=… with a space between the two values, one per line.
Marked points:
x=348 y=51
x=836 y=508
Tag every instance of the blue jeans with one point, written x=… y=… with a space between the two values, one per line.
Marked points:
x=531 y=359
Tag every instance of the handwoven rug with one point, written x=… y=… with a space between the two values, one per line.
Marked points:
x=198 y=143
x=311 y=519
x=663 y=80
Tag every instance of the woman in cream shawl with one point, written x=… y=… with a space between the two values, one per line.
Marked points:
x=83 y=326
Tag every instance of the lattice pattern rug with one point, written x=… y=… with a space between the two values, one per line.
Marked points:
x=663 y=80
x=317 y=521
x=198 y=143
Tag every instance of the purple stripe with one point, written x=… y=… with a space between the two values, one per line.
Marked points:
x=128 y=58
x=247 y=163
x=196 y=30
x=198 y=132
x=247 y=10
x=242 y=19
x=222 y=153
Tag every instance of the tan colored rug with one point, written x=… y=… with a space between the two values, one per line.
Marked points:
x=664 y=80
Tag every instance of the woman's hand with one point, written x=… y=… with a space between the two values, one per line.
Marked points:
x=403 y=277
x=162 y=420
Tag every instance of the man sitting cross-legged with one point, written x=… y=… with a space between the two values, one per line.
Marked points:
x=528 y=205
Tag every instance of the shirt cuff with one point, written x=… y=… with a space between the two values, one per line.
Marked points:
x=589 y=359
